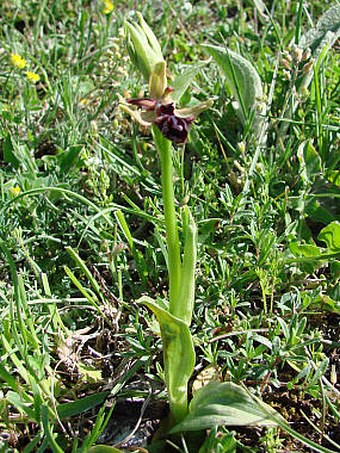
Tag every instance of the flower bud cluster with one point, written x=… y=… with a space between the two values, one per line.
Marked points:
x=296 y=61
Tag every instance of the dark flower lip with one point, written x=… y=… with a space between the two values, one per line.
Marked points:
x=174 y=128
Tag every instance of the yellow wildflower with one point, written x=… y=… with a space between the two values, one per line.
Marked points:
x=107 y=7
x=18 y=61
x=32 y=76
x=15 y=190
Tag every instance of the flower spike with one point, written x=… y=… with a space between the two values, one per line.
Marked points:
x=159 y=109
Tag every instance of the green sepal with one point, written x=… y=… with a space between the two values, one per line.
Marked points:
x=158 y=81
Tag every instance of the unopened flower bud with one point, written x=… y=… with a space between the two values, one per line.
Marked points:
x=297 y=52
x=307 y=67
x=286 y=75
x=242 y=147
x=306 y=55
x=285 y=63
x=143 y=47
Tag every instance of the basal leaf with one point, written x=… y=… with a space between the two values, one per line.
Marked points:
x=243 y=80
x=219 y=404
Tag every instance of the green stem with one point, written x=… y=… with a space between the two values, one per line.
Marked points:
x=164 y=148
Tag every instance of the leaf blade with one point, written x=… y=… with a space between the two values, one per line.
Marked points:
x=219 y=404
x=179 y=355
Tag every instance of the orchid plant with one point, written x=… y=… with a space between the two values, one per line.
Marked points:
x=169 y=126
x=217 y=403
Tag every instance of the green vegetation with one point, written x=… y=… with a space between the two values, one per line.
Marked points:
x=83 y=234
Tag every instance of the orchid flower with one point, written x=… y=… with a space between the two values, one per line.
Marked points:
x=159 y=108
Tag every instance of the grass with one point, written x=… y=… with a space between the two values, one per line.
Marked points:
x=82 y=229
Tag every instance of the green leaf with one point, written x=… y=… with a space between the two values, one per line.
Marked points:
x=103 y=449
x=185 y=302
x=81 y=405
x=335 y=272
x=99 y=427
x=179 y=356
x=244 y=82
x=320 y=210
x=219 y=443
x=9 y=379
x=20 y=402
x=89 y=373
x=310 y=161
x=305 y=250
x=184 y=80
x=48 y=430
x=330 y=235
x=309 y=255
x=334 y=177
x=326 y=32
x=219 y=404
x=69 y=157
x=124 y=227
x=9 y=156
